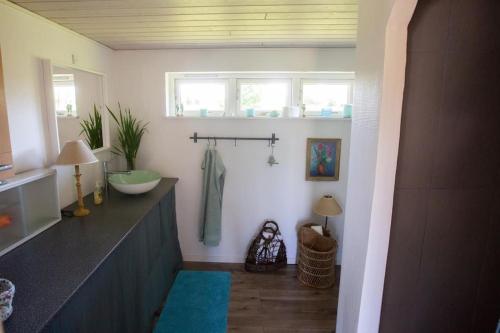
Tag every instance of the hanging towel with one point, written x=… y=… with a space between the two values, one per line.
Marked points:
x=214 y=173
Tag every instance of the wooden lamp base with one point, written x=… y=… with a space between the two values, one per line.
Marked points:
x=81 y=210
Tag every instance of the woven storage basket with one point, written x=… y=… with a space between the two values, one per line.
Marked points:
x=316 y=268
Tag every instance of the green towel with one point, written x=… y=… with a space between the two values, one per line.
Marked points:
x=214 y=173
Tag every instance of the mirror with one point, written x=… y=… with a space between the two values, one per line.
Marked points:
x=79 y=106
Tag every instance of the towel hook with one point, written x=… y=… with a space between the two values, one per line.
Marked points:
x=272 y=160
x=208 y=142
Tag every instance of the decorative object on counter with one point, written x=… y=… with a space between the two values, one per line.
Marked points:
x=7 y=290
x=5 y=220
x=347 y=112
x=316 y=263
x=92 y=129
x=303 y=110
x=272 y=160
x=98 y=197
x=135 y=181
x=250 y=113
x=267 y=251
x=130 y=132
x=323 y=159
x=76 y=153
x=327 y=206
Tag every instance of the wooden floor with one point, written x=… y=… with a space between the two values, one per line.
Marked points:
x=276 y=302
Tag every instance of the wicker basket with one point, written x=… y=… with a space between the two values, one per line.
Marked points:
x=316 y=268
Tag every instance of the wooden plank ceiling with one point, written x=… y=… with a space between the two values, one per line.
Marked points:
x=149 y=24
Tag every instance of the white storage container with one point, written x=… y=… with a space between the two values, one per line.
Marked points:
x=30 y=202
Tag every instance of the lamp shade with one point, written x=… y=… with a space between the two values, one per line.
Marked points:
x=75 y=152
x=327 y=206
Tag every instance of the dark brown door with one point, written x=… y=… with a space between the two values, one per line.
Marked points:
x=444 y=253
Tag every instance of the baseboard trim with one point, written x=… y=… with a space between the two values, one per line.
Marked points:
x=222 y=259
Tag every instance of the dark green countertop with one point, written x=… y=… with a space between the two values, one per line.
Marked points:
x=48 y=269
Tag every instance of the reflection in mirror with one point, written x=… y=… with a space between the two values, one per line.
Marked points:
x=79 y=102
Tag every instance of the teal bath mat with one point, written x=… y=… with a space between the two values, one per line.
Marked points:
x=198 y=302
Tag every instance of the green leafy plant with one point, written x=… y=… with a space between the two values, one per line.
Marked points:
x=130 y=132
x=92 y=128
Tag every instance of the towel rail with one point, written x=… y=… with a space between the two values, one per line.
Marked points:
x=195 y=138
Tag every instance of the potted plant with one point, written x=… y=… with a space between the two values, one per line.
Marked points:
x=130 y=132
x=92 y=129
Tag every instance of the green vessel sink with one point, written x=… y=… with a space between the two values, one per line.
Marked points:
x=135 y=182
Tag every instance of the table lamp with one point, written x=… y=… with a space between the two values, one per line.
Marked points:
x=76 y=153
x=327 y=206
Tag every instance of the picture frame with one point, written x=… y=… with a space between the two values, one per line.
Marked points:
x=323 y=159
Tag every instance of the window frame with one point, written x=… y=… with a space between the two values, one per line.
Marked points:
x=261 y=113
x=232 y=107
x=317 y=113
x=177 y=94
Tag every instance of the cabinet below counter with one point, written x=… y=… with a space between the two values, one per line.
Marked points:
x=107 y=272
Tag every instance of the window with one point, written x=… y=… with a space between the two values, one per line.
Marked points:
x=64 y=95
x=260 y=97
x=325 y=97
x=258 y=94
x=195 y=97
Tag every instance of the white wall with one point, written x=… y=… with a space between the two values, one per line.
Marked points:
x=380 y=72
x=373 y=16
x=254 y=191
x=26 y=38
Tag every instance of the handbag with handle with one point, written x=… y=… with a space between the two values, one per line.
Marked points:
x=267 y=251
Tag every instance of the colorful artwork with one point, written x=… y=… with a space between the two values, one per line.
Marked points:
x=323 y=159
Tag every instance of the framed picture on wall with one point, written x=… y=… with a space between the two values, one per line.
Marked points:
x=323 y=159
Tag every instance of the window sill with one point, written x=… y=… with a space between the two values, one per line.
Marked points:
x=68 y=117
x=319 y=118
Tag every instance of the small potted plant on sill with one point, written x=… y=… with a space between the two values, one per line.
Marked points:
x=130 y=132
